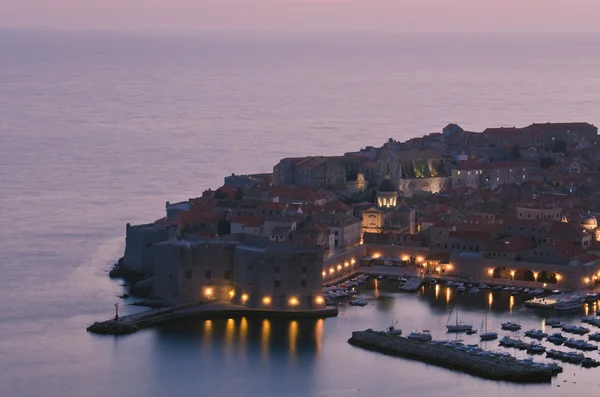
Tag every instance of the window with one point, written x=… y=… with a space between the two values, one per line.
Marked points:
x=303 y=283
x=303 y=269
x=277 y=269
x=188 y=274
x=227 y=275
x=207 y=274
x=336 y=232
x=277 y=283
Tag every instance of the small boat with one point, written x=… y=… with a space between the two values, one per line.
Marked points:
x=420 y=336
x=392 y=330
x=510 y=326
x=461 y=288
x=536 y=334
x=497 y=287
x=536 y=348
x=556 y=292
x=553 y=321
x=595 y=337
x=556 y=338
x=358 y=302
x=575 y=329
x=471 y=331
x=591 y=297
x=489 y=335
x=474 y=290
x=558 y=325
x=514 y=292
x=505 y=288
x=589 y=362
x=526 y=290
x=380 y=278
x=536 y=291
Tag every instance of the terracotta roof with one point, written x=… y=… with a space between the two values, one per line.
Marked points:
x=472 y=235
x=565 y=249
x=247 y=221
x=271 y=206
x=337 y=206
x=510 y=245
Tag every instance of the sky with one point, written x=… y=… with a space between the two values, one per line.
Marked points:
x=407 y=16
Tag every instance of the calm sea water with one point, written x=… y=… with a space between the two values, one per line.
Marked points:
x=97 y=130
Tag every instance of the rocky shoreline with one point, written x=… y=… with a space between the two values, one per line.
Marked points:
x=492 y=368
x=112 y=327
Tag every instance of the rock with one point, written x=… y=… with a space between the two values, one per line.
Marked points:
x=141 y=289
x=124 y=296
x=112 y=327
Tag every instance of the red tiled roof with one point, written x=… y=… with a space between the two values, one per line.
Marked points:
x=247 y=221
x=565 y=249
x=271 y=206
x=337 y=206
x=187 y=217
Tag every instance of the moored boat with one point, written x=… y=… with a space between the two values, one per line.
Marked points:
x=420 y=336
x=510 y=326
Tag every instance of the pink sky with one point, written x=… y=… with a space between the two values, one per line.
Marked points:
x=317 y=15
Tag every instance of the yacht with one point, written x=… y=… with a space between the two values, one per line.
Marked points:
x=489 y=335
x=420 y=336
x=536 y=334
x=485 y=334
x=536 y=348
x=457 y=326
x=510 y=326
x=589 y=362
x=591 y=297
x=572 y=303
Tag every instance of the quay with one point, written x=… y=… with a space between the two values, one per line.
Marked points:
x=493 y=368
x=133 y=322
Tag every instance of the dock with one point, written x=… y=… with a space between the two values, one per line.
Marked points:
x=132 y=323
x=411 y=285
x=493 y=368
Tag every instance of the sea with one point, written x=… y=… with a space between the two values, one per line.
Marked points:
x=98 y=129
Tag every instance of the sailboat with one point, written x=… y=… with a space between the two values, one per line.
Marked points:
x=459 y=326
x=485 y=334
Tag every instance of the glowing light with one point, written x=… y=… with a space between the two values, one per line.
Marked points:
x=490 y=271
x=324 y=273
x=331 y=270
x=346 y=264
x=558 y=277
x=438 y=269
x=244 y=298
x=231 y=293
x=293 y=301
x=405 y=257
x=424 y=264
x=339 y=267
x=420 y=259
x=208 y=292
x=376 y=255
x=319 y=300
x=512 y=273
x=353 y=261
x=535 y=276
x=266 y=300
x=586 y=280
x=449 y=267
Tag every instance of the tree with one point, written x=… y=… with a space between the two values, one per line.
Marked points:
x=559 y=146
x=515 y=152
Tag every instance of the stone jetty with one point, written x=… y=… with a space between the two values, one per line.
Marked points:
x=494 y=368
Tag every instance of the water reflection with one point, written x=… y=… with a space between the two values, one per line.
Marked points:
x=490 y=300
x=265 y=336
x=437 y=291
x=586 y=309
x=229 y=335
x=511 y=304
x=293 y=336
x=448 y=295
x=207 y=332
x=319 y=334
x=243 y=336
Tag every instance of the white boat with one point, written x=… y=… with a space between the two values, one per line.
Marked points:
x=420 y=336
x=572 y=303
x=461 y=288
x=474 y=290
x=526 y=290
x=510 y=326
x=497 y=287
x=536 y=291
x=358 y=302
x=575 y=329
x=458 y=326
x=505 y=288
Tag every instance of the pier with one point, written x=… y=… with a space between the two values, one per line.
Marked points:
x=134 y=322
x=494 y=368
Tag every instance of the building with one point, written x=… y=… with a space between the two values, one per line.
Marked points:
x=346 y=229
x=321 y=172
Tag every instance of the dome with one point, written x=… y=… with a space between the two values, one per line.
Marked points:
x=386 y=186
x=589 y=221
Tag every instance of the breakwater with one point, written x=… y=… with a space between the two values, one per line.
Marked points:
x=494 y=368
